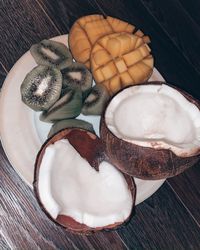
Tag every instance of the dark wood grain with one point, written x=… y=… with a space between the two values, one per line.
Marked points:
x=65 y=13
x=187 y=188
x=3 y=74
x=3 y=244
x=169 y=58
x=23 y=23
x=183 y=30
x=161 y=222
x=25 y=226
x=192 y=7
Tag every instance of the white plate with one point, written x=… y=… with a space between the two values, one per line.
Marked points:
x=22 y=134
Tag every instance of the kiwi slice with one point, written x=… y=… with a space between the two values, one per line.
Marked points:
x=51 y=53
x=96 y=101
x=41 y=87
x=70 y=123
x=68 y=106
x=77 y=75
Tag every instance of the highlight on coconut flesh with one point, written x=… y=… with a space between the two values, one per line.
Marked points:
x=78 y=187
x=152 y=130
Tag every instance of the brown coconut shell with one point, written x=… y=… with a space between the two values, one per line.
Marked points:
x=92 y=149
x=145 y=162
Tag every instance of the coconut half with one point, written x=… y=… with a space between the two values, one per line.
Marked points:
x=78 y=187
x=152 y=131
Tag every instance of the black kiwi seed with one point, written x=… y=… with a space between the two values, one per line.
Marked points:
x=70 y=123
x=68 y=106
x=96 y=101
x=41 y=87
x=51 y=53
x=77 y=75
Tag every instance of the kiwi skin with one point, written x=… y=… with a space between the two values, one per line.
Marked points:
x=29 y=87
x=70 y=123
x=96 y=101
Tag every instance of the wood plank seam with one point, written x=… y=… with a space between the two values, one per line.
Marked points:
x=193 y=6
x=49 y=18
x=179 y=198
x=122 y=240
x=98 y=6
x=4 y=68
x=168 y=35
x=186 y=11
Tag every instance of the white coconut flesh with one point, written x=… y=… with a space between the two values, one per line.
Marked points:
x=68 y=185
x=156 y=116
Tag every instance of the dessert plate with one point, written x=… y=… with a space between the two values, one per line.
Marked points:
x=22 y=133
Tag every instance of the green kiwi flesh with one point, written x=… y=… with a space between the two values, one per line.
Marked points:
x=70 y=123
x=68 y=106
x=41 y=87
x=96 y=101
x=51 y=53
x=77 y=75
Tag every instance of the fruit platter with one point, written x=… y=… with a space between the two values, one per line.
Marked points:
x=89 y=109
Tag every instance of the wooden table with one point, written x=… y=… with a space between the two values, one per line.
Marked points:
x=170 y=219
